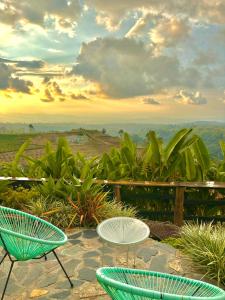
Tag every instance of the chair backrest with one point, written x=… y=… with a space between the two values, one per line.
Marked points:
x=25 y=236
x=123 y=230
x=124 y=283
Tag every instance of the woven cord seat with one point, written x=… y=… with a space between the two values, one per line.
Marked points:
x=24 y=237
x=125 y=284
x=123 y=231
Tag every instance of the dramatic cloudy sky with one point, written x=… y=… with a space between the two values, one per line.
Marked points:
x=112 y=61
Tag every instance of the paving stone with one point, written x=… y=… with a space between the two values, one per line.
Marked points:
x=160 y=263
x=89 y=234
x=91 y=263
x=76 y=242
x=13 y=288
x=61 y=295
x=75 y=235
x=64 y=284
x=91 y=254
x=87 y=274
x=32 y=276
x=105 y=249
x=166 y=248
x=146 y=253
x=107 y=260
x=70 y=266
x=72 y=251
x=47 y=281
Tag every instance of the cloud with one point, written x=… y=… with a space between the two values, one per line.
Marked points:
x=125 y=68
x=169 y=32
x=61 y=14
x=111 y=13
x=33 y=64
x=142 y=25
x=223 y=97
x=8 y=80
x=195 y=98
x=205 y=58
x=28 y=64
x=48 y=96
x=150 y=101
x=78 y=97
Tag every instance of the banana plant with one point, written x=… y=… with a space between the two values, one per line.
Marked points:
x=121 y=163
x=54 y=163
x=220 y=171
x=185 y=157
x=15 y=167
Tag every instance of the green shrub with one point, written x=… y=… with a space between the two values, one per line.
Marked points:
x=174 y=242
x=18 y=198
x=205 y=244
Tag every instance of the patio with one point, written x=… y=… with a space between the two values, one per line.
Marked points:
x=81 y=256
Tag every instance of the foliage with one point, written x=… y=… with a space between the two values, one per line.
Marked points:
x=84 y=204
x=14 y=168
x=175 y=242
x=18 y=198
x=205 y=244
x=185 y=157
x=54 y=163
x=89 y=203
x=121 y=163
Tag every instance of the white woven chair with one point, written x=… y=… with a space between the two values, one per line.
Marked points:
x=123 y=231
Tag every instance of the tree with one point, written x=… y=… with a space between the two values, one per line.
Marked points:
x=31 y=127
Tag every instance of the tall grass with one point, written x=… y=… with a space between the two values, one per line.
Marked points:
x=205 y=244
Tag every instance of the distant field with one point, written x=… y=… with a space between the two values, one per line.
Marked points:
x=12 y=142
x=90 y=143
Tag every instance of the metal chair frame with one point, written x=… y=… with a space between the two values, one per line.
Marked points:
x=15 y=260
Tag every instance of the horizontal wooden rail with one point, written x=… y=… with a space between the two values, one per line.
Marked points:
x=194 y=184
x=179 y=186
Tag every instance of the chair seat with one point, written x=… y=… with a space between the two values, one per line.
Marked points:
x=123 y=230
x=26 y=236
x=123 y=283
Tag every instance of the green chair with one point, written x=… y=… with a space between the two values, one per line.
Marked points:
x=125 y=284
x=24 y=236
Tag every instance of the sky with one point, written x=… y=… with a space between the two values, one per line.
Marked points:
x=100 y=61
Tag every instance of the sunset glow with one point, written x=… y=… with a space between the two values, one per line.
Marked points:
x=101 y=61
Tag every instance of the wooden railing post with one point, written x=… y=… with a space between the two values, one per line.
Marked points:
x=117 y=193
x=179 y=206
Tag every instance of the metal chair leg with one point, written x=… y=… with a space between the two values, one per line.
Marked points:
x=7 y=280
x=134 y=258
x=3 y=258
x=71 y=284
x=127 y=255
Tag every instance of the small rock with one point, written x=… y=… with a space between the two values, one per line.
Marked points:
x=37 y=293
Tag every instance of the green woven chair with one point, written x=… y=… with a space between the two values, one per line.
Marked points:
x=125 y=284
x=24 y=237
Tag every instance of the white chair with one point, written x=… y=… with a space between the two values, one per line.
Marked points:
x=123 y=231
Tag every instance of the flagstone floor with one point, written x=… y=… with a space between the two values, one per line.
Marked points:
x=81 y=256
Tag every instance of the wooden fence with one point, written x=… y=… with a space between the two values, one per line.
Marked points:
x=179 y=186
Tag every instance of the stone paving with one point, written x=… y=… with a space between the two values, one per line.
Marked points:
x=81 y=256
